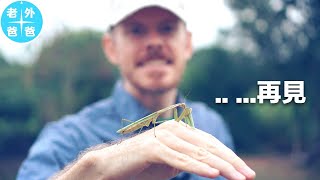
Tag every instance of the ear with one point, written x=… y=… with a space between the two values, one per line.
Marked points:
x=189 y=47
x=109 y=49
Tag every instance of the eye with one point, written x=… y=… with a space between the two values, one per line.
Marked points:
x=137 y=30
x=167 y=28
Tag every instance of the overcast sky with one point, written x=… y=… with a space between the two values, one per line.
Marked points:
x=205 y=21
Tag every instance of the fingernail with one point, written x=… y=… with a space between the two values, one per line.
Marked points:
x=237 y=175
x=247 y=171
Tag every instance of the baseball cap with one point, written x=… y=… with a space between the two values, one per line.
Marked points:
x=121 y=9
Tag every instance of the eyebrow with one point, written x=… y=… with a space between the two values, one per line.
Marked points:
x=131 y=23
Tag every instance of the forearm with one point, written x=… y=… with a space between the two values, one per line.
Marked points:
x=85 y=167
x=117 y=161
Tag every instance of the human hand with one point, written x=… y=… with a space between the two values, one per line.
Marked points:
x=175 y=148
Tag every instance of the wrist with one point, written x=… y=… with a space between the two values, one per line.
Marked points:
x=91 y=165
x=86 y=167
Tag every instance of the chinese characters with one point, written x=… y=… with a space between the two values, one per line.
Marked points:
x=270 y=91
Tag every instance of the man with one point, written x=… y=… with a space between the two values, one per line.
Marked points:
x=149 y=42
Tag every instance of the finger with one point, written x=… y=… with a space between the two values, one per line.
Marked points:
x=231 y=157
x=211 y=144
x=202 y=155
x=162 y=154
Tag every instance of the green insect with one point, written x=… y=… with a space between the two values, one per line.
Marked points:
x=152 y=118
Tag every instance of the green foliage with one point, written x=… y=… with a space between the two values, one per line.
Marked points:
x=284 y=34
x=16 y=108
x=71 y=72
x=217 y=72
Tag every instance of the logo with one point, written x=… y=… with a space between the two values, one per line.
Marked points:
x=21 y=21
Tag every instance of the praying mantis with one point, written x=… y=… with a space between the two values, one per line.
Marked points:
x=152 y=118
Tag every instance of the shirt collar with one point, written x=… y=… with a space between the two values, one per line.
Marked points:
x=128 y=107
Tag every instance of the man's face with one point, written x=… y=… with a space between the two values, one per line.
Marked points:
x=151 y=49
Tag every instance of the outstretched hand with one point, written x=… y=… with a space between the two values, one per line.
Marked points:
x=176 y=148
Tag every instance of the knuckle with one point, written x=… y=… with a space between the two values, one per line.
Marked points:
x=213 y=148
x=163 y=133
x=173 y=124
x=169 y=125
x=184 y=160
x=166 y=125
x=202 y=154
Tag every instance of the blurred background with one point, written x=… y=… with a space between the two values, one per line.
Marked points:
x=237 y=43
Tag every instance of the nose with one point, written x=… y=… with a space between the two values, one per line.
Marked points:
x=154 y=42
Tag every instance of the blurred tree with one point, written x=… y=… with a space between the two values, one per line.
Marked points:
x=16 y=109
x=284 y=34
x=71 y=72
x=217 y=72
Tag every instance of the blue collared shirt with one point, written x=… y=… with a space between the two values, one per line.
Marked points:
x=60 y=142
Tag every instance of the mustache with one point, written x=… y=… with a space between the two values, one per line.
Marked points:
x=154 y=53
